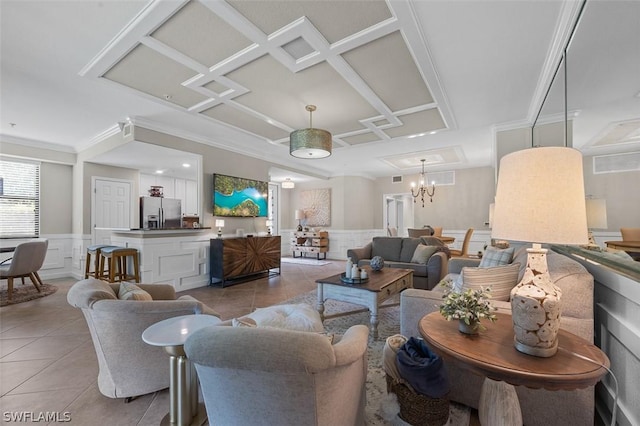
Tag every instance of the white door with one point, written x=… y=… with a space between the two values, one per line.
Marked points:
x=111 y=208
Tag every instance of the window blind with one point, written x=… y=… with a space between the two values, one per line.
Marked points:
x=19 y=199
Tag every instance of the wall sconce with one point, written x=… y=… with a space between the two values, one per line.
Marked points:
x=288 y=184
x=220 y=225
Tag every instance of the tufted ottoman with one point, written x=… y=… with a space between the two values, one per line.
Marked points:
x=300 y=317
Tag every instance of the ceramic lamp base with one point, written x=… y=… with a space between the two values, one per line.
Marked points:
x=535 y=308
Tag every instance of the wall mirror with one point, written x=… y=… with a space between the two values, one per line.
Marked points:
x=599 y=85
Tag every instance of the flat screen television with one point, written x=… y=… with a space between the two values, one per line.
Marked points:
x=239 y=197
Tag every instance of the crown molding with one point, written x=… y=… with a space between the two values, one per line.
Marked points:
x=37 y=144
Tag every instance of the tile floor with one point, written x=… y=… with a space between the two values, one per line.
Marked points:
x=48 y=364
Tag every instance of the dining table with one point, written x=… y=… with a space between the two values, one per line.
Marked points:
x=446 y=240
x=632 y=246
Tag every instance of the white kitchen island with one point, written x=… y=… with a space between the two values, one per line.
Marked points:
x=179 y=257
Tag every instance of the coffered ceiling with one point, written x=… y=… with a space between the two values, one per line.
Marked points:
x=255 y=65
x=394 y=81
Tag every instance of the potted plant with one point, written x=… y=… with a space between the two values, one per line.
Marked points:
x=468 y=307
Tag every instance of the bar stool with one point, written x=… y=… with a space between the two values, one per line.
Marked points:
x=116 y=258
x=94 y=251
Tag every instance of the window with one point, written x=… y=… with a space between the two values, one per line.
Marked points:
x=19 y=199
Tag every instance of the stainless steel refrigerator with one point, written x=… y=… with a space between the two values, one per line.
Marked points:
x=158 y=212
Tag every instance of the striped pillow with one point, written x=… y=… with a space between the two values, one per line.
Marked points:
x=501 y=279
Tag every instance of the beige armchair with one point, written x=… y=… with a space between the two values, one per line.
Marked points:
x=26 y=262
x=128 y=367
x=270 y=376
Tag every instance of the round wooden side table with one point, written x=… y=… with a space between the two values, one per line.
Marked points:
x=492 y=354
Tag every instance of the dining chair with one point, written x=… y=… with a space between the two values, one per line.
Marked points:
x=392 y=232
x=26 y=262
x=437 y=231
x=630 y=234
x=465 y=245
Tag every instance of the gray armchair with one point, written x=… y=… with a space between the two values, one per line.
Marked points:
x=271 y=376
x=26 y=262
x=129 y=367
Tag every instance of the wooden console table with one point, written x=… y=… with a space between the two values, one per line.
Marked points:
x=491 y=353
x=232 y=259
x=304 y=242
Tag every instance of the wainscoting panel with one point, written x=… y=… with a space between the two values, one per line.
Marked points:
x=617 y=309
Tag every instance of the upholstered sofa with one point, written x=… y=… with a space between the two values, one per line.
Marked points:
x=539 y=406
x=128 y=367
x=398 y=252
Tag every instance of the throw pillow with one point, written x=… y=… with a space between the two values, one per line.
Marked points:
x=301 y=317
x=130 y=291
x=423 y=253
x=496 y=257
x=501 y=279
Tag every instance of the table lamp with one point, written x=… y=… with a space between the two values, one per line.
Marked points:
x=220 y=225
x=299 y=217
x=269 y=224
x=596 y=219
x=539 y=199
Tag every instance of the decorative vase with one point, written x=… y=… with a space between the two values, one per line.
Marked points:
x=471 y=328
x=536 y=307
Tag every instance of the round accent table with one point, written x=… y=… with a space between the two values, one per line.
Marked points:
x=492 y=354
x=171 y=334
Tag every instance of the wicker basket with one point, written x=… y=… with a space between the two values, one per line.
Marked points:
x=419 y=410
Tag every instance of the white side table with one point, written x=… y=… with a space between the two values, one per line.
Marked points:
x=171 y=334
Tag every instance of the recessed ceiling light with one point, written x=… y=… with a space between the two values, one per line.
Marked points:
x=159 y=172
x=433 y=132
x=187 y=165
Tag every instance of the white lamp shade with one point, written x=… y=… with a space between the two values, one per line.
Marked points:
x=540 y=197
x=299 y=214
x=596 y=213
x=220 y=223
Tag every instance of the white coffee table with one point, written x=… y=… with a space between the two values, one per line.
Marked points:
x=171 y=334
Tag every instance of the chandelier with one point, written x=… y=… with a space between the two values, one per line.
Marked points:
x=423 y=189
x=310 y=143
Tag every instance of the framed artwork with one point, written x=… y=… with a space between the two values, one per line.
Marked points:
x=316 y=204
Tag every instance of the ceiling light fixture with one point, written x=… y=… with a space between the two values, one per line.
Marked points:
x=288 y=184
x=423 y=189
x=310 y=143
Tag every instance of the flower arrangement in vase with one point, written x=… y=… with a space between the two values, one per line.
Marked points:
x=468 y=307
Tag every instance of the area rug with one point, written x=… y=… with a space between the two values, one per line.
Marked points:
x=304 y=261
x=377 y=397
x=23 y=293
